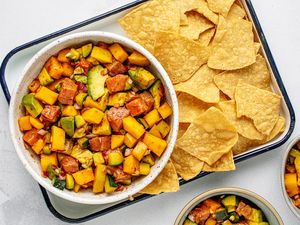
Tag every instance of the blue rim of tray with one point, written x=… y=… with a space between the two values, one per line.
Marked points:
x=182 y=182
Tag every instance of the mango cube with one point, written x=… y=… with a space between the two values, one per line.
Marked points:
x=138 y=59
x=133 y=127
x=58 y=137
x=129 y=140
x=99 y=181
x=36 y=123
x=84 y=176
x=24 y=123
x=144 y=168
x=98 y=158
x=118 y=52
x=155 y=131
x=101 y=54
x=46 y=95
x=131 y=165
x=163 y=128
x=48 y=159
x=139 y=150
x=165 y=110
x=69 y=110
x=54 y=68
x=152 y=117
x=38 y=146
x=89 y=102
x=290 y=181
x=103 y=128
x=155 y=144
x=107 y=186
x=93 y=116
x=116 y=141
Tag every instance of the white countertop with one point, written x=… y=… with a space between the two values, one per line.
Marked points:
x=20 y=198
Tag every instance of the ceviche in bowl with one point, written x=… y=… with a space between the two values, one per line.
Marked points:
x=94 y=117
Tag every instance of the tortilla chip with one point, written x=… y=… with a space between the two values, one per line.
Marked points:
x=205 y=37
x=243 y=144
x=220 y=31
x=236 y=12
x=257 y=48
x=196 y=25
x=209 y=137
x=220 y=6
x=142 y=23
x=182 y=129
x=201 y=85
x=187 y=166
x=236 y=48
x=184 y=6
x=259 y=105
x=201 y=7
x=190 y=107
x=244 y=125
x=225 y=163
x=257 y=75
x=180 y=56
x=166 y=181
x=278 y=128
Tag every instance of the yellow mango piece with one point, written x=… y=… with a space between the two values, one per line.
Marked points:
x=163 y=128
x=290 y=180
x=93 y=116
x=89 y=102
x=129 y=140
x=76 y=188
x=297 y=166
x=84 y=176
x=103 y=128
x=131 y=165
x=118 y=52
x=38 y=146
x=165 y=110
x=139 y=150
x=211 y=221
x=138 y=59
x=69 y=110
x=152 y=117
x=155 y=131
x=116 y=141
x=46 y=95
x=54 y=68
x=47 y=159
x=99 y=181
x=36 y=123
x=98 y=158
x=58 y=137
x=155 y=144
x=24 y=123
x=107 y=187
x=101 y=54
x=133 y=127
x=144 y=168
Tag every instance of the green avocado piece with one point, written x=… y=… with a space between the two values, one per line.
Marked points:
x=104 y=100
x=67 y=123
x=128 y=84
x=44 y=77
x=256 y=216
x=70 y=182
x=230 y=200
x=79 y=121
x=80 y=98
x=85 y=157
x=96 y=81
x=86 y=49
x=83 y=142
x=141 y=77
x=73 y=54
x=157 y=91
x=117 y=99
x=81 y=79
x=33 y=107
x=115 y=158
x=189 y=222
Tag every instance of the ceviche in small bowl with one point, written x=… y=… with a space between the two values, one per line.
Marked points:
x=94 y=117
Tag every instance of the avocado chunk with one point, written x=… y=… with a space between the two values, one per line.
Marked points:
x=67 y=123
x=78 y=70
x=189 y=222
x=79 y=121
x=33 y=107
x=104 y=100
x=44 y=77
x=141 y=77
x=96 y=82
x=83 y=142
x=60 y=184
x=85 y=157
x=86 y=49
x=117 y=99
x=234 y=217
x=221 y=214
x=128 y=84
x=81 y=79
x=70 y=182
x=73 y=54
x=230 y=200
x=98 y=158
x=80 y=98
x=157 y=91
x=149 y=159
x=110 y=184
x=115 y=158
x=256 y=216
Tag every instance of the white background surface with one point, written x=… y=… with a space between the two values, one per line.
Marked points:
x=20 y=198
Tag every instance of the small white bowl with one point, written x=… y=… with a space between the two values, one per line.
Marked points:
x=268 y=210
x=288 y=200
x=31 y=161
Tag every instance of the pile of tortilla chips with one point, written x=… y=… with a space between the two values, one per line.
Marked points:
x=226 y=103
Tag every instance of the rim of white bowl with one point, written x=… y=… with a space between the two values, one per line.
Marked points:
x=161 y=162
x=287 y=199
x=218 y=191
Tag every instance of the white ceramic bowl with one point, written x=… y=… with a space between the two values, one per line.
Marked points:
x=270 y=213
x=288 y=200
x=31 y=161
